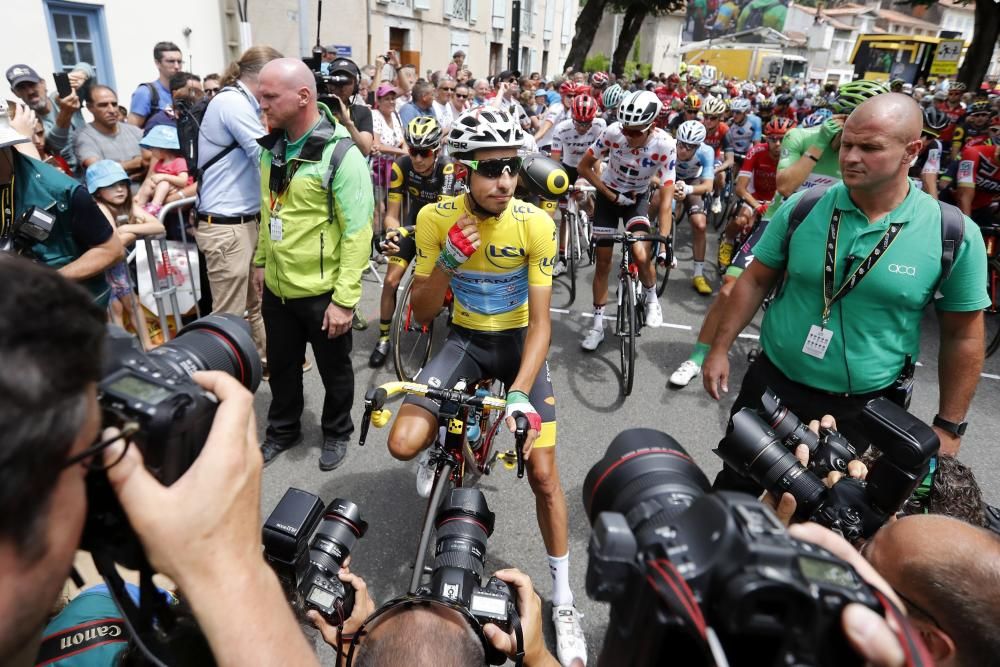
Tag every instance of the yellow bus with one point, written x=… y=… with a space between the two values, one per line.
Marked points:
x=883 y=57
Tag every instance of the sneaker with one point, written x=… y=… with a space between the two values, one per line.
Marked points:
x=725 y=254
x=425 y=474
x=701 y=285
x=683 y=375
x=271 y=448
x=333 y=454
x=673 y=262
x=717 y=205
x=379 y=354
x=654 y=314
x=358 y=321
x=593 y=338
x=570 y=642
x=559 y=268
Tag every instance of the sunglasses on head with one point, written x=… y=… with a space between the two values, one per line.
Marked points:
x=494 y=168
x=421 y=152
x=635 y=131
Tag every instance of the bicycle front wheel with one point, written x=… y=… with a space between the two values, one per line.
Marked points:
x=411 y=341
x=626 y=331
x=442 y=485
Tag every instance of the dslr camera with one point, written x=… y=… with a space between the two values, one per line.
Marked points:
x=153 y=394
x=32 y=227
x=462 y=525
x=691 y=573
x=761 y=446
x=306 y=543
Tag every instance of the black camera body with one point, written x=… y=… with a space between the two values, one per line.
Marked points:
x=32 y=227
x=854 y=508
x=674 y=560
x=306 y=543
x=463 y=524
x=829 y=451
x=174 y=414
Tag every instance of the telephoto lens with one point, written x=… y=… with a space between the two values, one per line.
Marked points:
x=338 y=532
x=785 y=424
x=643 y=468
x=463 y=525
x=217 y=342
x=756 y=451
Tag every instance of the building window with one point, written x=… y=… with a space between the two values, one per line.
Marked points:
x=457 y=9
x=77 y=34
x=526 y=16
x=404 y=3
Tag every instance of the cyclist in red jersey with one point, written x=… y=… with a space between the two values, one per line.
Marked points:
x=954 y=108
x=978 y=190
x=715 y=137
x=755 y=185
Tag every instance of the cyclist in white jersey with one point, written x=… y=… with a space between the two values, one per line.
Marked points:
x=555 y=114
x=638 y=156
x=570 y=141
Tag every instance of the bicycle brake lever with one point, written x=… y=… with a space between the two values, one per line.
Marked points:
x=521 y=427
x=374 y=400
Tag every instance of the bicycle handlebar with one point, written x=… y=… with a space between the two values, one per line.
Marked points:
x=628 y=237
x=521 y=428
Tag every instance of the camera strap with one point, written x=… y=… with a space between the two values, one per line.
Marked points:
x=674 y=591
x=150 y=618
x=914 y=651
x=830 y=296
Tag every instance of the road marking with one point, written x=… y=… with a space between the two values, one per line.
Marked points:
x=564 y=311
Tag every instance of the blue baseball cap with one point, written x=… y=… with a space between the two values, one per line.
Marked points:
x=103 y=173
x=162 y=136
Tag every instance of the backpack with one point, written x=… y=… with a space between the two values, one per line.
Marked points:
x=189 y=118
x=154 y=100
x=952 y=227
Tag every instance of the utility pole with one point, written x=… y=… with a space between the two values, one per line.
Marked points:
x=514 y=52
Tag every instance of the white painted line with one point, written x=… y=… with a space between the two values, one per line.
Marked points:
x=564 y=311
x=668 y=325
x=991 y=376
x=750 y=336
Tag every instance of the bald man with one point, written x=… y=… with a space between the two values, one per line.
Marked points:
x=948 y=574
x=845 y=322
x=317 y=192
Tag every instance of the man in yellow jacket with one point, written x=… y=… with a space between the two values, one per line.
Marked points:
x=317 y=206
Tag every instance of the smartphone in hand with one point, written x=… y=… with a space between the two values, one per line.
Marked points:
x=63 y=86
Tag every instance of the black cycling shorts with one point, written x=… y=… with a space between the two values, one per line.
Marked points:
x=407 y=250
x=607 y=217
x=744 y=256
x=477 y=355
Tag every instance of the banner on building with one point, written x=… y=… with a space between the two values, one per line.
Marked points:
x=711 y=19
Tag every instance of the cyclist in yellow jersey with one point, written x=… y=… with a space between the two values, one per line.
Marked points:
x=496 y=253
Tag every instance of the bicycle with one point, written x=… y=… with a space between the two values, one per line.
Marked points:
x=631 y=314
x=576 y=226
x=991 y=235
x=463 y=453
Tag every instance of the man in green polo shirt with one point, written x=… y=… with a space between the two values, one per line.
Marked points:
x=829 y=346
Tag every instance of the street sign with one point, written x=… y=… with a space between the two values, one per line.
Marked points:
x=946 y=58
x=342 y=50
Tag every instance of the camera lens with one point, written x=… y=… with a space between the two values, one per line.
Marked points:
x=463 y=523
x=756 y=451
x=785 y=424
x=645 y=475
x=336 y=535
x=218 y=342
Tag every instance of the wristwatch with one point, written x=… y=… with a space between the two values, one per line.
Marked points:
x=957 y=430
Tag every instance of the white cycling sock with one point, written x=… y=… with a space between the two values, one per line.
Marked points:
x=651 y=293
x=559 y=569
x=699 y=268
x=598 y=317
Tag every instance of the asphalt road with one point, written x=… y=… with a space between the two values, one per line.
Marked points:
x=591 y=411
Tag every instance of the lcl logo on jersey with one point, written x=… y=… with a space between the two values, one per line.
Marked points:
x=902 y=269
x=505 y=257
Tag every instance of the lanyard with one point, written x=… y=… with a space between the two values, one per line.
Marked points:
x=829 y=296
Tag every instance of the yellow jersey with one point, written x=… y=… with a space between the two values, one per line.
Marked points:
x=516 y=249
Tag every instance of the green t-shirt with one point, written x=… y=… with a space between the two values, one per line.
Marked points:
x=794 y=145
x=877 y=324
x=293 y=148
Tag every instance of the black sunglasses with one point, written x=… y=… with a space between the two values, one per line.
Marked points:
x=421 y=152
x=495 y=168
x=461 y=97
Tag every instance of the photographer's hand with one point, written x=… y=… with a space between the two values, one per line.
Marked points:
x=364 y=607
x=855 y=468
x=869 y=634
x=204 y=533
x=529 y=608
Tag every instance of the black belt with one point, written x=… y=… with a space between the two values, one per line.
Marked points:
x=228 y=220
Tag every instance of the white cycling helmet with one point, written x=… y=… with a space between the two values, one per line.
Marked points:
x=748 y=88
x=740 y=105
x=613 y=96
x=639 y=109
x=714 y=106
x=691 y=132
x=484 y=128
